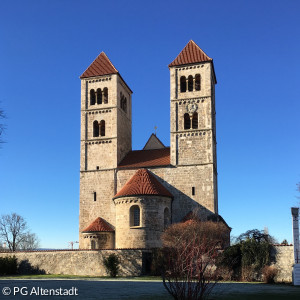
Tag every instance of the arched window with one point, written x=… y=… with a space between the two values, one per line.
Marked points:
x=182 y=84
x=135 y=215
x=99 y=96
x=105 y=94
x=93 y=244
x=166 y=217
x=190 y=83
x=195 y=121
x=95 y=129
x=92 y=97
x=197 y=82
x=187 y=121
x=102 y=128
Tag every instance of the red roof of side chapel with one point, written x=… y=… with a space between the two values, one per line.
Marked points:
x=100 y=66
x=143 y=182
x=190 y=54
x=98 y=225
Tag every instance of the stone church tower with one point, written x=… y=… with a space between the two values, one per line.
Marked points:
x=128 y=198
x=193 y=125
x=105 y=138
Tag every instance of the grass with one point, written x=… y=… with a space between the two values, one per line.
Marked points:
x=78 y=277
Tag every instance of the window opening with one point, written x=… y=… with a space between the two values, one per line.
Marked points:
x=95 y=129
x=190 y=83
x=195 y=121
x=182 y=84
x=92 y=97
x=99 y=96
x=193 y=191
x=197 y=82
x=105 y=94
x=102 y=128
x=187 y=121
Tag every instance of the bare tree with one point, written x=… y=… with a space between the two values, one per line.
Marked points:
x=190 y=250
x=14 y=232
x=30 y=242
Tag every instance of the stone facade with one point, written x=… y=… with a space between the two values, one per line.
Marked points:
x=191 y=174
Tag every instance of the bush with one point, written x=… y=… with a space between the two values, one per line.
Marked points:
x=248 y=257
x=269 y=273
x=157 y=262
x=111 y=264
x=8 y=265
x=190 y=250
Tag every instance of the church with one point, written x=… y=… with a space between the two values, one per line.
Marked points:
x=128 y=197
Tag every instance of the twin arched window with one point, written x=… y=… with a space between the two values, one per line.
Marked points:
x=96 y=97
x=188 y=121
x=98 y=128
x=188 y=84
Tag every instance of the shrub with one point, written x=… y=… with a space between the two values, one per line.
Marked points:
x=157 y=262
x=8 y=265
x=248 y=257
x=111 y=264
x=189 y=254
x=269 y=273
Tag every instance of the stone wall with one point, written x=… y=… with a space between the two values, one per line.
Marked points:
x=284 y=261
x=147 y=233
x=79 y=262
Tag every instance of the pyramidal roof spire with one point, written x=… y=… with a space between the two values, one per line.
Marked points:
x=100 y=66
x=190 y=54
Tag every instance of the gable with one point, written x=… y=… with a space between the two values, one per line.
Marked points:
x=153 y=143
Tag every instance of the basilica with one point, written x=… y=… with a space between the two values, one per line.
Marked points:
x=128 y=197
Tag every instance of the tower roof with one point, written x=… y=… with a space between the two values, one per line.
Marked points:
x=143 y=183
x=100 y=66
x=190 y=54
x=98 y=225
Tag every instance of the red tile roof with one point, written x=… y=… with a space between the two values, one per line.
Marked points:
x=100 y=66
x=190 y=54
x=146 y=158
x=98 y=225
x=143 y=182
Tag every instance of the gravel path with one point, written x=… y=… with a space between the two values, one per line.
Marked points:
x=119 y=289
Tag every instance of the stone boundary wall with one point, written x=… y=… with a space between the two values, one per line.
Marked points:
x=132 y=261
x=283 y=257
x=79 y=262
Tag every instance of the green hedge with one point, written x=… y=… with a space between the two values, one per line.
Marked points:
x=8 y=265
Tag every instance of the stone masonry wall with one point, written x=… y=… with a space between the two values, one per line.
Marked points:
x=147 y=233
x=76 y=262
x=101 y=182
x=284 y=261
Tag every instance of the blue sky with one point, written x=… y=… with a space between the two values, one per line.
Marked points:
x=45 y=47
